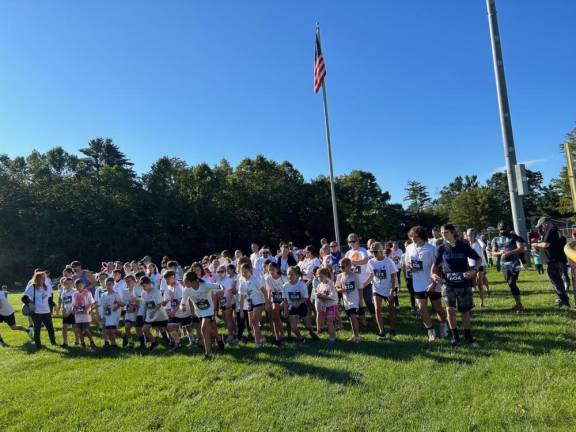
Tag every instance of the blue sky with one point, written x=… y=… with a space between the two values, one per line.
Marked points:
x=410 y=84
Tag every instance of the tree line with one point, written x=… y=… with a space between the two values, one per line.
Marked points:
x=57 y=206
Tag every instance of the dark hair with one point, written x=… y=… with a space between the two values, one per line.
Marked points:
x=109 y=280
x=78 y=282
x=138 y=275
x=231 y=267
x=190 y=276
x=75 y=264
x=130 y=277
x=169 y=273
x=172 y=264
x=449 y=227
x=418 y=231
x=312 y=250
x=274 y=265
x=145 y=280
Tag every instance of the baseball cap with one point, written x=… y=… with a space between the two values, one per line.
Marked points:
x=542 y=221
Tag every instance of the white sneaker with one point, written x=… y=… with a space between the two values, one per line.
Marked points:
x=431 y=335
x=444 y=330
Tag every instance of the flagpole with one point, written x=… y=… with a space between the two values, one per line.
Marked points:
x=329 y=144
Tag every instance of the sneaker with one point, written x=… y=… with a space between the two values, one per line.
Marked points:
x=351 y=338
x=444 y=330
x=455 y=342
x=381 y=336
x=332 y=342
x=92 y=345
x=153 y=345
x=125 y=341
x=207 y=356
x=357 y=339
x=414 y=310
x=220 y=344
x=397 y=308
x=30 y=333
x=300 y=341
x=431 y=335
x=519 y=308
x=314 y=336
x=257 y=346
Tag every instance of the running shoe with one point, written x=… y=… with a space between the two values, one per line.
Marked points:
x=431 y=335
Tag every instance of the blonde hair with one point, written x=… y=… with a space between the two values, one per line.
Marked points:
x=37 y=278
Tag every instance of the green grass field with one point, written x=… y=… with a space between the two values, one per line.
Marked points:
x=521 y=377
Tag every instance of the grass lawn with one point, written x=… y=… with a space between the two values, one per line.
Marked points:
x=522 y=376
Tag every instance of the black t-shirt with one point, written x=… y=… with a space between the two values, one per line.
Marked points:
x=555 y=252
x=453 y=262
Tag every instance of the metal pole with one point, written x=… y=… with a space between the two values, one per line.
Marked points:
x=570 y=169
x=516 y=204
x=329 y=144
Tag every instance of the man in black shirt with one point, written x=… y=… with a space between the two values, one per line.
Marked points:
x=451 y=269
x=552 y=246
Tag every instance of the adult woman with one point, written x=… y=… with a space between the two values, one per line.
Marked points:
x=38 y=297
x=285 y=259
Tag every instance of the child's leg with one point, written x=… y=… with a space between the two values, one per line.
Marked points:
x=89 y=335
x=174 y=330
x=320 y=320
x=229 y=319
x=241 y=324
x=392 y=316
x=308 y=325
x=378 y=312
x=256 y=315
x=355 y=325
x=65 y=334
x=207 y=331
x=276 y=323
x=330 y=327
x=294 y=325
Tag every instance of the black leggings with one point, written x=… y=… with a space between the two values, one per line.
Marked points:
x=511 y=277
x=242 y=323
x=555 y=271
x=38 y=320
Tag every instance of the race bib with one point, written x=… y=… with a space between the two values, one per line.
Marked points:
x=174 y=303
x=203 y=304
x=80 y=309
x=455 y=277
x=223 y=302
x=358 y=269
x=107 y=311
x=417 y=265
x=131 y=308
x=294 y=296
x=350 y=287
x=380 y=274
x=277 y=296
x=67 y=300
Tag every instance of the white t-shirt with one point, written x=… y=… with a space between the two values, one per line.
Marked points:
x=359 y=255
x=120 y=286
x=6 y=308
x=275 y=287
x=351 y=285
x=133 y=303
x=477 y=246
x=252 y=290
x=422 y=259
x=174 y=297
x=66 y=297
x=398 y=257
x=307 y=266
x=40 y=299
x=258 y=266
x=201 y=298
x=227 y=285
x=329 y=290
x=294 y=293
x=108 y=302
x=253 y=257
x=383 y=272
x=151 y=300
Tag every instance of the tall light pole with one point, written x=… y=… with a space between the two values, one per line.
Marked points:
x=516 y=204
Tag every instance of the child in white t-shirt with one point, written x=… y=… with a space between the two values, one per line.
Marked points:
x=155 y=315
x=82 y=304
x=326 y=303
x=7 y=313
x=349 y=284
x=111 y=304
x=227 y=302
x=384 y=283
x=295 y=296
x=251 y=290
x=202 y=296
x=274 y=286
x=65 y=300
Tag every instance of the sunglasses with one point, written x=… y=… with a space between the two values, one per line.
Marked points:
x=221 y=271
x=352 y=241
x=333 y=246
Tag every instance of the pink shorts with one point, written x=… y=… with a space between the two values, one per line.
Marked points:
x=331 y=311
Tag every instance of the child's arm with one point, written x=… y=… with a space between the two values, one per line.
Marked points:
x=369 y=280
x=241 y=301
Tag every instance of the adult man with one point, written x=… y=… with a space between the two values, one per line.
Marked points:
x=255 y=253
x=451 y=268
x=508 y=247
x=87 y=277
x=552 y=246
x=359 y=257
x=418 y=260
x=334 y=257
x=436 y=239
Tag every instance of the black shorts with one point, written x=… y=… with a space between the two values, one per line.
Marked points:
x=301 y=310
x=10 y=319
x=183 y=321
x=352 y=312
x=69 y=320
x=139 y=321
x=83 y=326
x=433 y=296
x=157 y=324
x=112 y=327
x=481 y=269
x=375 y=294
x=252 y=307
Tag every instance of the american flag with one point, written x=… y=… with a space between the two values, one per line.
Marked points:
x=319 y=67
